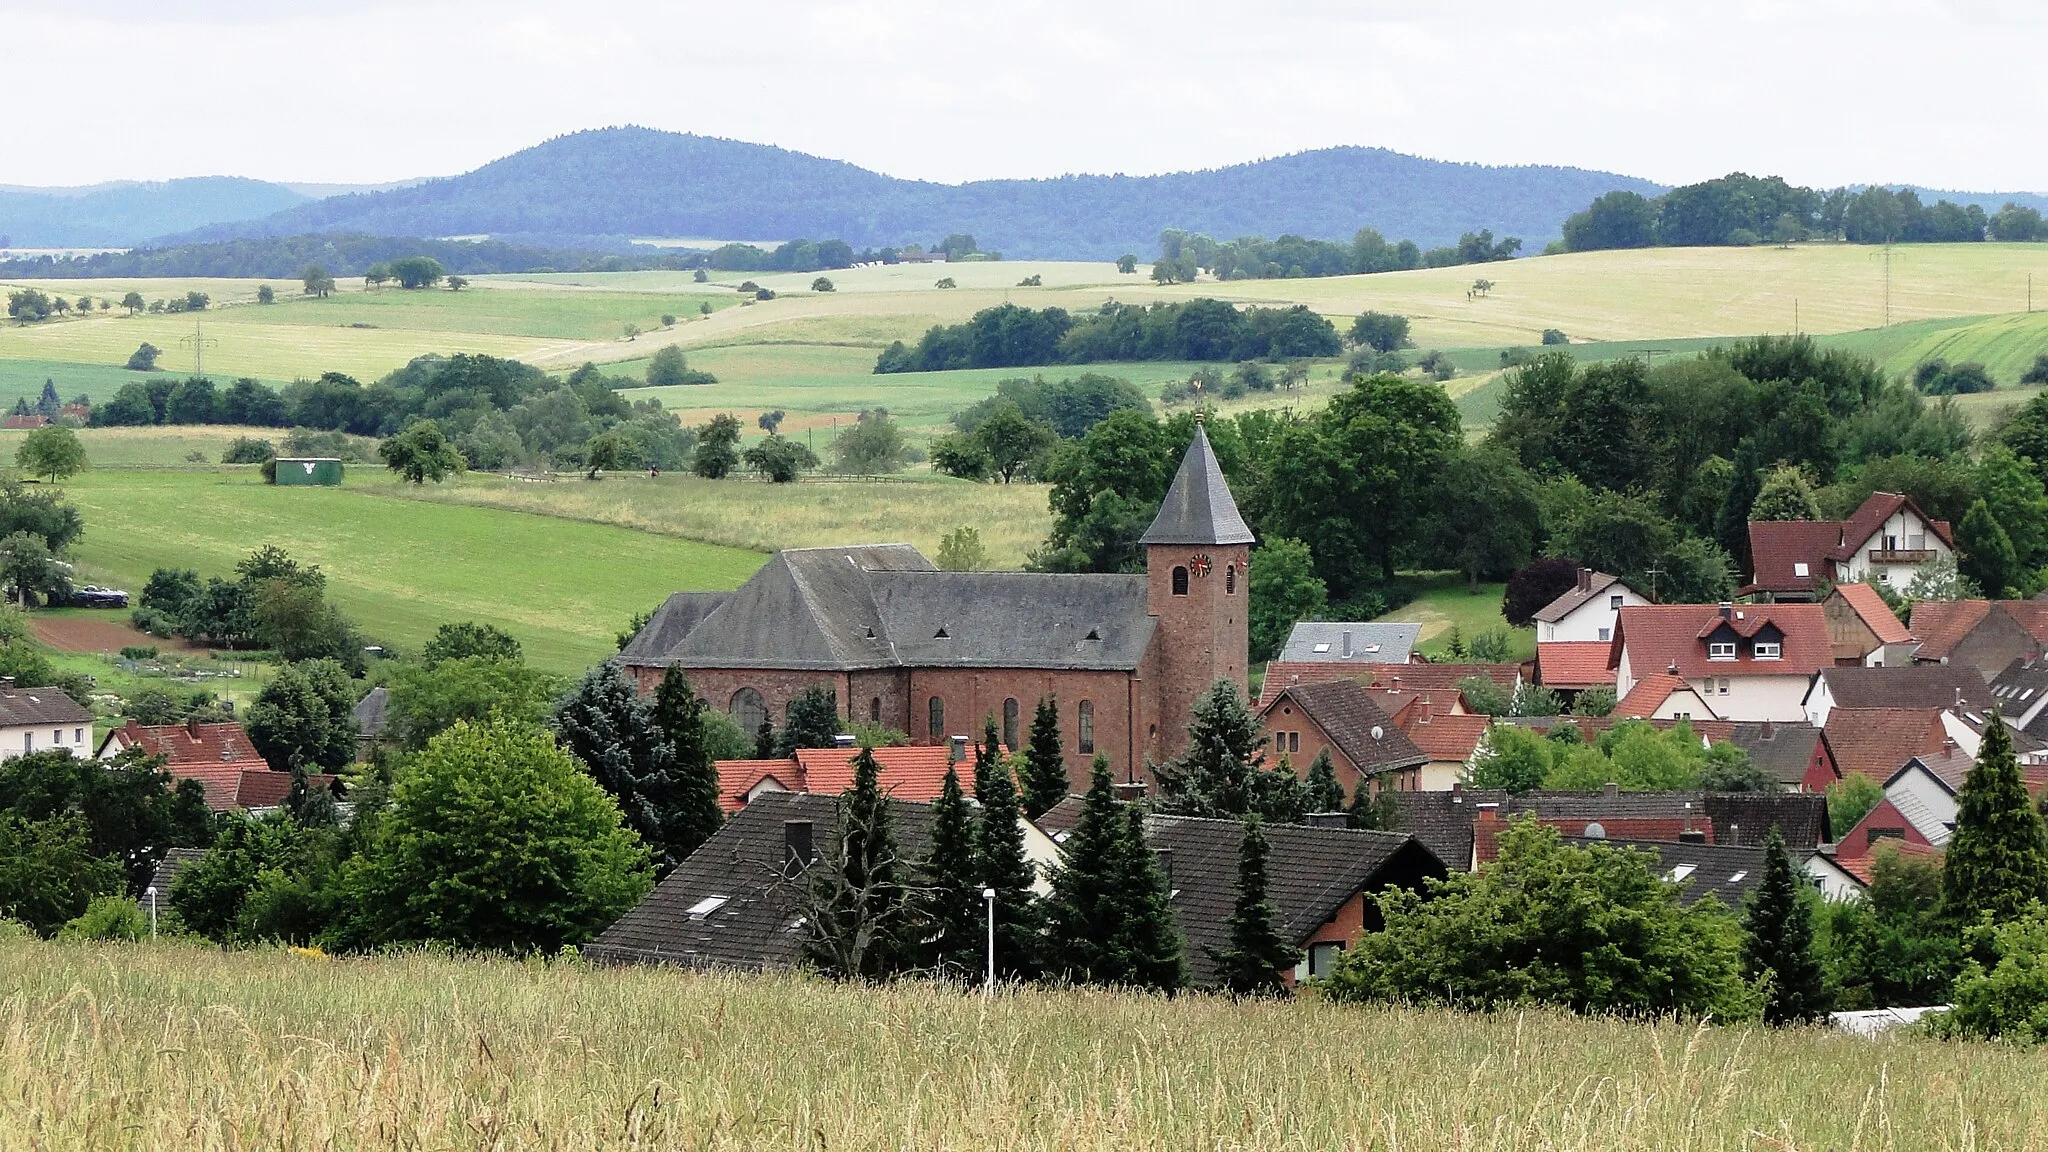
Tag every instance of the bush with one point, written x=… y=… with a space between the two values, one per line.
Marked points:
x=1555 y=336
x=246 y=450
x=108 y=918
x=822 y=284
x=133 y=652
x=2009 y=1001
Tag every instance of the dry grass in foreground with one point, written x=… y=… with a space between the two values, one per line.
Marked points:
x=1012 y=519
x=174 y=1047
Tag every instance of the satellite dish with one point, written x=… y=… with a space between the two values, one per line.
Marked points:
x=1379 y=733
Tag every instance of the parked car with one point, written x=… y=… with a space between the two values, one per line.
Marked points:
x=94 y=596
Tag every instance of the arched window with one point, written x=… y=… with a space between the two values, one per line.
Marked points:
x=1010 y=724
x=1230 y=579
x=1180 y=580
x=749 y=709
x=1085 y=722
x=875 y=710
x=938 y=719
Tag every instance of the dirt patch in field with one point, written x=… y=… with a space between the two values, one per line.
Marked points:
x=76 y=634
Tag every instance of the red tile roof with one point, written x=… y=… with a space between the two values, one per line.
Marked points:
x=1659 y=637
x=1573 y=663
x=1942 y=624
x=190 y=745
x=1870 y=516
x=1648 y=695
x=1874 y=612
x=1777 y=546
x=1877 y=742
x=1864 y=866
x=908 y=773
x=1439 y=679
x=262 y=788
x=1443 y=737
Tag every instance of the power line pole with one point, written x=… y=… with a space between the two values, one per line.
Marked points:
x=198 y=340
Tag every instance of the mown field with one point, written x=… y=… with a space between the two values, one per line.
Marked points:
x=175 y=1047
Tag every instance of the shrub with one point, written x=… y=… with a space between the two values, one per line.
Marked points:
x=247 y=450
x=2008 y=1001
x=822 y=284
x=108 y=918
x=1555 y=336
x=134 y=652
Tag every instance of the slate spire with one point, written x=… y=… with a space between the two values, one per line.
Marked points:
x=1198 y=508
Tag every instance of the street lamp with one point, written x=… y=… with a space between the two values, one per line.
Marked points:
x=989 y=988
x=151 y=893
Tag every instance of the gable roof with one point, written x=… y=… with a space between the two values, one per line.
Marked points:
x=1198 y=508
x=1577 y=596
x=175 y=860
x=1311 y=873
x=1444 y=737
x=1874 y=612
x=1907 y=686
x=2018 y=687
x=1356 y=725
x=371 y=713
x=1727 y=872
x=1338 y=642
x=1573 y=663
x=189 y=746
x=1649 y=694
x=31 y=707
x=1869 y=518
x=1783 y=750
x=1445 y=821
x=677 y=615
x=1875 y=742
x=909 y=772
x=1658 y=637
x=1942 y=624
x=1864 y=866
x=1778 y=547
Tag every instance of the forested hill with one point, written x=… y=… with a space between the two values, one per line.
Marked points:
x=119 y=215
x=621 y=182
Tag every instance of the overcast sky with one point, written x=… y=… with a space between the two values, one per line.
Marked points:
x=1822 y=92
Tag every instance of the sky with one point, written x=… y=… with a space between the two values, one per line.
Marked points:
x=1822 y=92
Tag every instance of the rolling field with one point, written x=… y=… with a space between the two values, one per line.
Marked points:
x=169 y=1046
x=400 y=568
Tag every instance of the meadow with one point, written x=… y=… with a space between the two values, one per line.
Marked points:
x=160 y=1046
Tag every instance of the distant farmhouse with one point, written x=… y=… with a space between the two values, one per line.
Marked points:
x=933 y=653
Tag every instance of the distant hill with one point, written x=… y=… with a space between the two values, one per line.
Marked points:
x=612 y=183
x=124 y=214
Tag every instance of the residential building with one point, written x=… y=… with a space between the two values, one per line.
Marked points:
x=1440 y=680
x=1462 y=826
x=42 y=720
x=1448 y=738
x=931 y=653
x=1587 y=611
x=1725 y=872
x=907 y=773
x=1886 y=539
x=1912 y=686
x=1738 y=662
x=1324 y=642
x=1874 y=742
x=1572 y=666
x=2020 y=692
x=219 y=756
x=1863 y=629
x=1342 y=718
x=1984 y=634
x=372 y=715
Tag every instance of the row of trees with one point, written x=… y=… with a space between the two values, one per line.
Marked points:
x=1740 y=209
x=1185 y=255
x=273 y=602
x=1014 y=336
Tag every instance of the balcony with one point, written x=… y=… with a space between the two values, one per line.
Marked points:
x=1901 y=555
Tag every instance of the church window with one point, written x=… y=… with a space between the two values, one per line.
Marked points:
x=1230 y=580
x=938 y=719
x=875 y=710
x=1180 y=581
x=1010 y=723
x=1085 y=721
x=749 y=709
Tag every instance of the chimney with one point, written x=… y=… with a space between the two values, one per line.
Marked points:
x=1457 y=785
x=1585 y=579
x=1329 y=819
x=959 y=752
x=842 y=740
x=1611 y=790
x=797 y=843
x=1692 y=836
x=192 y=727
x=1770 y=729
x=1130 y=791
x=1347 y=643
x=1397 y=684
x=1727 y=610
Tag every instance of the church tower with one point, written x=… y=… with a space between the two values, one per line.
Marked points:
x=1196 y=553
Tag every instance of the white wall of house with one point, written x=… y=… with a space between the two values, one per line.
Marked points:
x=1685 y=704
x=1738 y=697
x=1835 y=884
x=1903 y=532
x=1820 y=701
x=1593 y=620
x=73 y=738
x=1439 y=775
x=1924 y=801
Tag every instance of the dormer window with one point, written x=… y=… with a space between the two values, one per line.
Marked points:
x=1721 y=650
x=1766 y=650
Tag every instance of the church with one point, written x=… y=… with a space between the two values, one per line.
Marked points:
x=934 y=654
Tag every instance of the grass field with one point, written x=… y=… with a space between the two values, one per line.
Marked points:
x=1444 y=600
x=188 y=1047
x=400 y=568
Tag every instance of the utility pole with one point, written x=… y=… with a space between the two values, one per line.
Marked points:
x=989 y=988
x=1654 y=571
x=198 y=340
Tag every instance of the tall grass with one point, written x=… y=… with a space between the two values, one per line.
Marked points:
x=175 y=1046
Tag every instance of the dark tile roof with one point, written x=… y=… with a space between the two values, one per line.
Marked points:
x=2018 y=687
x=35 y=706
x=1783 y=750
x=753 y=928
x=671 y=622
x=1355 y=724
x=175 y=861
x=1777 y=547
x=1869 y=518
x=1198 y=508
x=1910 y=686
x=371 y=713
x=1875 y=742
x=1323 y=642
x=885 y=606
x=1726 y=872
x=1444 y=821
x=1311 y=872
x=1576 y=596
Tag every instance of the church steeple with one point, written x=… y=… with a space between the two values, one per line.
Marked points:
x=1198 y=508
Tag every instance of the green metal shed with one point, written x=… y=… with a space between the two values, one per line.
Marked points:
x=302 y=471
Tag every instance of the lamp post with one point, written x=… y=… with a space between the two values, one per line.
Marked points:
x=989 y=987
x=151 y=893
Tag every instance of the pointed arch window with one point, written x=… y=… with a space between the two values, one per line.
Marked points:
x=937 y=709
x=1084 y=722
x=1230 y=579
x=749 y=710
x=1010 y=711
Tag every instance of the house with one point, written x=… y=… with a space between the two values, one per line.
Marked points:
x=219 y=756
x=1886 y=539
x=1572 y=666
x=931 y=653
x=1663 y=696
x=907 y=773
x=1874 y=742
x=1796 y=755
x=1462 y=826
x=1911 y=686
x=1320 y=642
x=2019 y=693
x=372 y=716
x=1586 y=612
x=1726 y=872
x=1919 y=806
x=1749 y=662
x=1446 y=737
x=1342 y=718
x=18 y=422
x=1985 y=634
x=1864 y=630
x=1440 y=680
x=175 y=860
x=42 y=720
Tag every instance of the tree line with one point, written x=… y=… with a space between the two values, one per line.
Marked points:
x=1739 y=209
x=1185 y=255
x=1014 y=336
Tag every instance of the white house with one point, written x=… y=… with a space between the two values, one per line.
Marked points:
x=1745 y=663
x=1911 y=686
x=1886 y=539
x=42 y=720
x=1587 y=611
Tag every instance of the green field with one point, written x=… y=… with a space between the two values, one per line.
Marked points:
x=1444 y=601
x=400 y=568
x=188 y=1046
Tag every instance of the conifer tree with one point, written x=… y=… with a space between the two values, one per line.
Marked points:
x=1251 y=965
x=1777 y=943
x=694 y=813
x=950 y=909
x=1045 y=761
x=1222 y=772
x=1153 y=951
x=605 y=724
x=813 y=721
x=1997 y=860
x=1323 y=793
x=1083 y=912
x=764 y=740
x=1000 y=863
x=854 y=906
x=987 y=755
